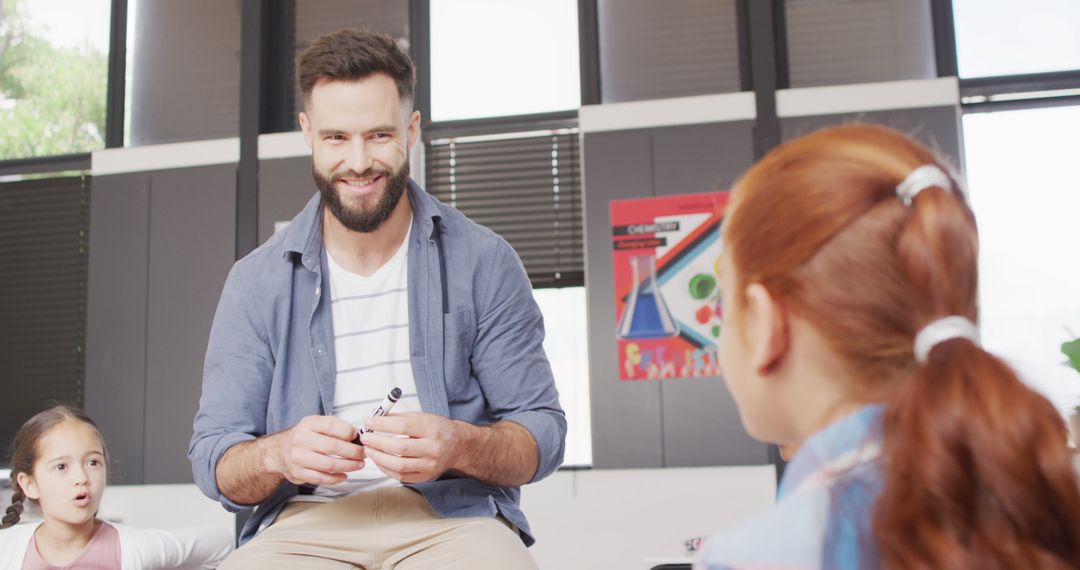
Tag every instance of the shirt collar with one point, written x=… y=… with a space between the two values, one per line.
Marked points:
x=838 y=439
x=304 y=235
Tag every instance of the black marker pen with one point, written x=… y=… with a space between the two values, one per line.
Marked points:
x=383 y=409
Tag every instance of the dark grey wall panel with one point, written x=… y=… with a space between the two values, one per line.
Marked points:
x=192 y=235
x=285 y=186
x=670 y=423
x=700 y=158
x=701 y=424
x=936 y=127
x=626 y=416
x=116 y=318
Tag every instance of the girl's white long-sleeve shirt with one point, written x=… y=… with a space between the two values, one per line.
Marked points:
x=187 y=549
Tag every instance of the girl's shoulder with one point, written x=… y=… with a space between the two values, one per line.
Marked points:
x=818 y=526
x=788 y=535
x=13 y=543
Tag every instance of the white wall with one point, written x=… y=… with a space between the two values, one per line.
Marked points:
x=163 y=507
x=624 y=518
x=620 y=518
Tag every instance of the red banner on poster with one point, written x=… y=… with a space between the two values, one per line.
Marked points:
x=666 y=253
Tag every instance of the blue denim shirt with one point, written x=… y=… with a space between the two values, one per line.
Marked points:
x=475 y=336
x=822 y=517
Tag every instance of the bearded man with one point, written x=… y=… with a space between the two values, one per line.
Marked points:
x=375 y=285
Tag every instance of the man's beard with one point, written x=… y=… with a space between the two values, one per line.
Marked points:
x=362 y=220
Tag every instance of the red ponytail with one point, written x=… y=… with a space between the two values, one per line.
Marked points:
x=977 y=472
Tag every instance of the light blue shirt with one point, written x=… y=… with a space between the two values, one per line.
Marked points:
x=822 y=517
x=475 y=336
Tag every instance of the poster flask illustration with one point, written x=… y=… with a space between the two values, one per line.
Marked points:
x=646 y=315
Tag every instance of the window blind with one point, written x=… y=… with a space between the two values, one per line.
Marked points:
x=526 y=188
x=185 y=83
x=43 y=257
x=836 y=42
x=675 y=48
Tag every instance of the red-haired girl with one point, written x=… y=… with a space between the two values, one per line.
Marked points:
x=849 y=287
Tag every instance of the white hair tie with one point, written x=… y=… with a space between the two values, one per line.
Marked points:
x=923 y=177
x=941 y=330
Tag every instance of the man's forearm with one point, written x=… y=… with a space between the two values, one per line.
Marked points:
x=242 y=476
x=502 y=454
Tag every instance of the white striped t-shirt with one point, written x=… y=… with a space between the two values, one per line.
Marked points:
x=371 y=346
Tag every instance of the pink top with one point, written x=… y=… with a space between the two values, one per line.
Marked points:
x=101 y=553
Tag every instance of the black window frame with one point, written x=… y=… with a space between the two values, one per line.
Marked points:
x=114 y=108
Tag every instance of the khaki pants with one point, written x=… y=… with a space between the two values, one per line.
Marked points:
x=391 y=528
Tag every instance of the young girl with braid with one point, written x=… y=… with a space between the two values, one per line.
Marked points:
x=849 y=286
x=59 y=460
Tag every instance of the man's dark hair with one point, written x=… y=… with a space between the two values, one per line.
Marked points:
x=352 y=55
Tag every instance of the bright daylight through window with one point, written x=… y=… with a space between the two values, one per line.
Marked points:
x=493 y=58
x=1006 y=37
x=1020 y=176
x=566 y=345
x=53 y=75
x=1020 y=171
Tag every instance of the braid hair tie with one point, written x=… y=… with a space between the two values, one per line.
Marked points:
x=941 y=330
x=923 y=177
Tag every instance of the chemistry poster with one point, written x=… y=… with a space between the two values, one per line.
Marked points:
x=667 y=308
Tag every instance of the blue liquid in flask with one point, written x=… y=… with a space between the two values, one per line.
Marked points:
x=646 y=315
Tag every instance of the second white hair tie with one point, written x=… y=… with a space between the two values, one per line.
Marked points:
x=923 y=177
x=941 y=330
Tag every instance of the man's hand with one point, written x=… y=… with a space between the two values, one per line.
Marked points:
x=317 y=450
x=429 y=450
x=501 y=454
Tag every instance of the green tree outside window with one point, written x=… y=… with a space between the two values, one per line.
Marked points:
x=52 y=98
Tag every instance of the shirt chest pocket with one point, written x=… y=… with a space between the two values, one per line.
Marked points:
x=459 y=334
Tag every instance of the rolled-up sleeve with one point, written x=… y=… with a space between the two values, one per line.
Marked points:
x=509 y=360
x=236 y=383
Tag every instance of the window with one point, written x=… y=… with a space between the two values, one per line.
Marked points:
x=835 y=42
x=1026 y=198
x=525 y=187
x=493 y=58
x=53 y=75
x=185 y=70
x=566 y=345
x=1019 y=168
x=520 y=177
x=655 y=50
x=1004 y=37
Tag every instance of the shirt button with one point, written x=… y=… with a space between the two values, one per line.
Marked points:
x=318 y=291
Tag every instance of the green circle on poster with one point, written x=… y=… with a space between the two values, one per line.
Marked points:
x=702 y=285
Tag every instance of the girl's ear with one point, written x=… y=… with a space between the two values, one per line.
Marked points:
x=768 y=326
x=29 y=488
